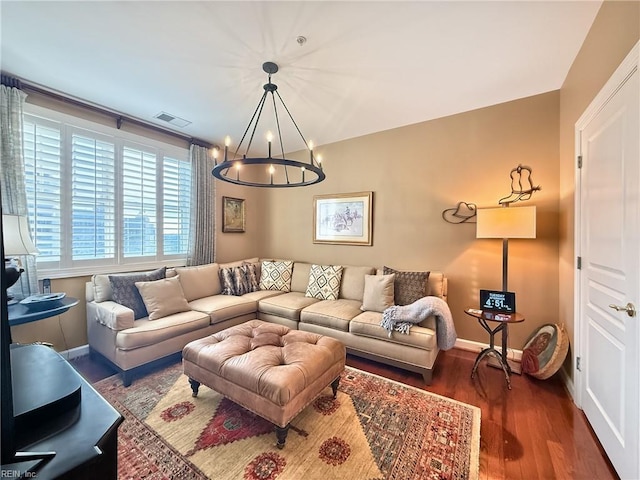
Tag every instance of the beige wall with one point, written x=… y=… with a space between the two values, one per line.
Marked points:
x=614 y=32
x=418 y=171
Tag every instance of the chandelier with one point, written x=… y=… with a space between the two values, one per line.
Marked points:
x=270 y=171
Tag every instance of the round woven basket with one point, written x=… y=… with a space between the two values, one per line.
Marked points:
x=545 y=351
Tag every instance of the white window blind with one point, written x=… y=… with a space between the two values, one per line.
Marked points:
x=139 y=202
x=176 y=181
x=102 y=200
x=42 y=154
x=92 y=198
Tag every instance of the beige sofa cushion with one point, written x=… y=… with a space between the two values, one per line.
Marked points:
x=240 y=262
x=300 y=277
x=288 y=305
x=368 y=324
x=334 y=314
x=200 y=281
x=437 y=285
x=352 y=287
x=224 y=307
x=378 y=293
x=150 y=332
x=163 y=297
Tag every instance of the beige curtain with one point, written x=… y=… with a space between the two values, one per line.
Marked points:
x=203 y=202
x=12 y=186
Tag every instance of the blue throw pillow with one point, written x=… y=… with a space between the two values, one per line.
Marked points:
x=126 y=293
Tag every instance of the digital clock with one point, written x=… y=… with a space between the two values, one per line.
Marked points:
x=496 y=301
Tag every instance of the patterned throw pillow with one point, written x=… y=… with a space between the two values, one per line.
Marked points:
x=276 y=275
x=239 y=280
x=252 y=276
x=324 y=282
x=408 y=286
x=125 y=291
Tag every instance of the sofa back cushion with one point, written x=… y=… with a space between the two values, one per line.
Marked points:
x=437 y=285
x=200 y=281
x=352 y=287
x=300 y=277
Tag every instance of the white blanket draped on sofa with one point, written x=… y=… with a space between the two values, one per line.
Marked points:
x=401 y=318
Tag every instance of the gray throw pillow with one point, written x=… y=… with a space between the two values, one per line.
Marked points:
x=408 y=286
x=126 y=293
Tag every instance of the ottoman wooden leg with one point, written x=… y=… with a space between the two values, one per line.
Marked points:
x=281 y=435
x=194 y=387
x=334 y=386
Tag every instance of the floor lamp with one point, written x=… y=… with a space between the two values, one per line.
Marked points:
x=506 y=222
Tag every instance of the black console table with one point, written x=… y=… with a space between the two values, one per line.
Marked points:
x=56 y=410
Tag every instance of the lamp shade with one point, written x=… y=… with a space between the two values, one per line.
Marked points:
x=16 y=236
x=506 y=222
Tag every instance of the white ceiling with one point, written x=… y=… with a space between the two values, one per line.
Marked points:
x=366 y=67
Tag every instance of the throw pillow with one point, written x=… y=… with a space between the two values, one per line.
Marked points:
x=324 y=282
x=253 y=276
x=378 y=293
x=125 y=293
x=276 y=275
x=239 y=280
x=408 y=286
x=163 y=297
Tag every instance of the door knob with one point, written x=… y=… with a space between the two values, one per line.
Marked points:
x=629 y=308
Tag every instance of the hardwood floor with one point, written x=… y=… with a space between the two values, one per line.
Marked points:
x=533 y=431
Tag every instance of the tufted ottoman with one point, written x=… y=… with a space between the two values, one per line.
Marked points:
x=267 y=368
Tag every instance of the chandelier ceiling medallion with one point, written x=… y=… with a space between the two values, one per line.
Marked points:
x=270 y=171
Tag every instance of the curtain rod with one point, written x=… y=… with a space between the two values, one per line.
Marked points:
x=14 y=82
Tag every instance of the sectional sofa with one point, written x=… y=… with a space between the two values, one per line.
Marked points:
x=188 y=303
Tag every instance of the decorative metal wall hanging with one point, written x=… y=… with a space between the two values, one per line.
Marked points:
x=522 y=189
x=463 y=212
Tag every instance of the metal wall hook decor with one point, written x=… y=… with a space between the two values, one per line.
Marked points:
x=522 y=189
x=463 y=212
x=521 y=186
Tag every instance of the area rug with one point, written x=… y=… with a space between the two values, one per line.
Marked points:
x=374 y=429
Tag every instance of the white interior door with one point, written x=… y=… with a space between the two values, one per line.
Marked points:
x=609 y=247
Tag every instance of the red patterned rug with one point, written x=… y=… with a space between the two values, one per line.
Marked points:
x=374 y=429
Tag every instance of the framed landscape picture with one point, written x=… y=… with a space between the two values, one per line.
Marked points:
x=233 y=215
x=343 y=219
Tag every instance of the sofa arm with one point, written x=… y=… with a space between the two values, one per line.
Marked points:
x=110 y=314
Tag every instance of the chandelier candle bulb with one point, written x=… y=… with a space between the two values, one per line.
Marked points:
x=302 y=169
x=215 y=157
x=227 y=142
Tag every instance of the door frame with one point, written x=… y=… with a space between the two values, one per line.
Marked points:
x=628 y=66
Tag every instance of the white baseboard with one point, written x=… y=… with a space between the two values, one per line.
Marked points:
x=471 y=346
x=75 y=352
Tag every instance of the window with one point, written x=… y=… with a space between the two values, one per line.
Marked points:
x=102 y=200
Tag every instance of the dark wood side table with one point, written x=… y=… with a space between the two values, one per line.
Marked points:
x=503 y=320
x=19 y=313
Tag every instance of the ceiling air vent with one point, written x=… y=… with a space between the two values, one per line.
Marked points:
x=172 y=119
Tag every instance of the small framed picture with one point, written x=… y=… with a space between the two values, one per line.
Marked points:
x=343 y=219
x=233 y=219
